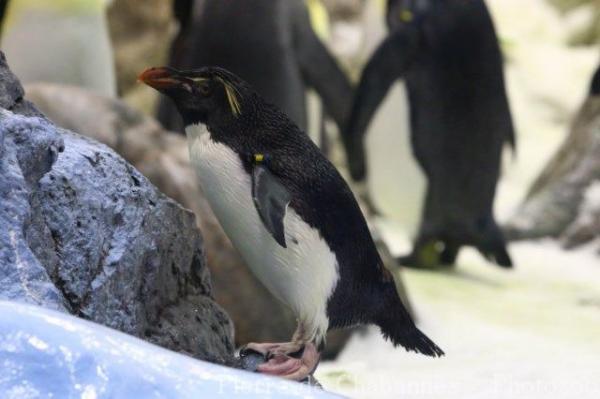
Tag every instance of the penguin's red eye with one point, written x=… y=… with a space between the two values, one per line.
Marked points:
x=204 y=88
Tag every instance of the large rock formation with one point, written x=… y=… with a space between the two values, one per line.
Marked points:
x=163 y=157
x=564 y=201
x=83 y=232
x=47 y=354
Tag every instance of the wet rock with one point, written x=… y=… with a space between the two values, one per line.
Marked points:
x=48 y=354
x=163 y=157
x=82 y=231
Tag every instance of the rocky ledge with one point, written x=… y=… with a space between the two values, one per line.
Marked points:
x=83 y=232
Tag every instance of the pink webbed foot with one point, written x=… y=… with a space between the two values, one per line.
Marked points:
x=292 y=368
x=287 y=360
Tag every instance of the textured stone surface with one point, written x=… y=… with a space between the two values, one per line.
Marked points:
x=22 y=275
x=11 y=91
x=83 y=231
x=46 y=354
x=163 y=157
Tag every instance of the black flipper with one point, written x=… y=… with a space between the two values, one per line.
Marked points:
x=270 y=198
x=389 y=62
x=319 y=68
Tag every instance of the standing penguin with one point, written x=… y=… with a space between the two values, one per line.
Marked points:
x=268 y=43
x=289 y=213
x=448 y=54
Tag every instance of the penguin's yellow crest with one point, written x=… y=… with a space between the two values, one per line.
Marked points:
x=232 y=97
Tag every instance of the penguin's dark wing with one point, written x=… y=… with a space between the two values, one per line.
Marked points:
x=271 y=199
x=319 y=68
x=389 y=62
x=595 y=85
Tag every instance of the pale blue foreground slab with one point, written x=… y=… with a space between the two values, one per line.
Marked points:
x=46 y=354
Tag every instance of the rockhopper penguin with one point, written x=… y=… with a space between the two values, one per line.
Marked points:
x=448 y=54
x=289 y=213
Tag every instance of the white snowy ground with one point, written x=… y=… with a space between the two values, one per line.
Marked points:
x=533 y=332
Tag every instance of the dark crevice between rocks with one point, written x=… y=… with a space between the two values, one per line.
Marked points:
x=97 y=272
x=197 y=279
x=58 y=281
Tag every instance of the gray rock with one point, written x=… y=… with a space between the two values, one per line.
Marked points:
x=47 y=354
x=82 y=231
x=22 y=163
x=11 y=91
x=557 y=205
x=586 y=227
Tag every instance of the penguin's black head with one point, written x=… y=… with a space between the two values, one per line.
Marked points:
x=199 y=94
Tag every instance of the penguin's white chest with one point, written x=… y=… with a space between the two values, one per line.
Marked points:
x=304 y=274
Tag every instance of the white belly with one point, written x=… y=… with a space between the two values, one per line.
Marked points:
x=395 y=179
x=304 y=274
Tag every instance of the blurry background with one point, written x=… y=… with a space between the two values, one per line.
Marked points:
x=526 y=333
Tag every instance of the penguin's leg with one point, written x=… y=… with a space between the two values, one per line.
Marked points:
x=426 y=250
x=424 y=254
x=294 y=360
x=491 y=243
x=290 y=367
x=450 y=252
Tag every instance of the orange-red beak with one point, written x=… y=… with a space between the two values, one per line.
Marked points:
x=160 y=78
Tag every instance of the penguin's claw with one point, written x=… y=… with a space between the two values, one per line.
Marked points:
x=292 y=368
x=270 y=350
x=266 y=349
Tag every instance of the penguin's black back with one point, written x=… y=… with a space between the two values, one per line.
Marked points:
x=459 y=109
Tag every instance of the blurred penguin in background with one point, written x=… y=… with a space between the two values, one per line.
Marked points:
x=269 y=43
x=447 y=53
x=60 y=41
x=3 y=4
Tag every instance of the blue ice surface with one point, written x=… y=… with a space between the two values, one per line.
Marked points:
x=47 y=354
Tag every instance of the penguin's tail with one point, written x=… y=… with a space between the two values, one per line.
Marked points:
x=397 y=326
